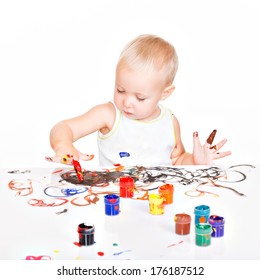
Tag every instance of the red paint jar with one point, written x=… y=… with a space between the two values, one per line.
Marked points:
x=167 y=192
x=126 y=185
x=182 y=224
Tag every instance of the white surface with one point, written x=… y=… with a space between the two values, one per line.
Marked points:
x=33 y=231
x=57 y=60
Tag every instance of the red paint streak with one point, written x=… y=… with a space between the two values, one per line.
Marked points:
x=175 y=244
x=57 y=171
x=78 y=169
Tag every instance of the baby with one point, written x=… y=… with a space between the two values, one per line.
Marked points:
x=134 y=128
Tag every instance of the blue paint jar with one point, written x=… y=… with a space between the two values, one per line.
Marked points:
x=217 y=224
x=201 y=214
x=111 y=204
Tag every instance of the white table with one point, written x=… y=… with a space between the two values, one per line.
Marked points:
x=28 y=230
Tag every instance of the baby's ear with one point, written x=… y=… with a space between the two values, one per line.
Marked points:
x=167 y=92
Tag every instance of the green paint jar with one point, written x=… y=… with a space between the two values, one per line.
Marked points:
x=203 y=234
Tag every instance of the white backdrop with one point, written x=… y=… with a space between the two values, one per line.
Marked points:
x=57 y=60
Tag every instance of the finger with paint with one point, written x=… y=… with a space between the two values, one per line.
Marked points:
x=211 y=137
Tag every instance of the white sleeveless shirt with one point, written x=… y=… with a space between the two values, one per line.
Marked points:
x=133 y=142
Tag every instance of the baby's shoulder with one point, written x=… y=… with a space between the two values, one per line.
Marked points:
x=107 y=109
x=107 y=112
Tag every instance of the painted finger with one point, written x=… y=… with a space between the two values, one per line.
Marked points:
x=220 y=144
x=196 y=140
x=222 y=155
x=211 y=137
x=86 y=157
x=67 y=159
x=53 y=159
x=50 y=159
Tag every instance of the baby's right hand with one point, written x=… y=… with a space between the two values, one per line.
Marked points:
x=67 y=156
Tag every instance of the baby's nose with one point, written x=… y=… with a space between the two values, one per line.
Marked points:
x=128 y=102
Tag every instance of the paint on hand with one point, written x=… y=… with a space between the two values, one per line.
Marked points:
x=211 y=137
x=65 y=159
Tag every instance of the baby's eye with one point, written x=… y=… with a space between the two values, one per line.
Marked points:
x=120 y=91
x=140 y=99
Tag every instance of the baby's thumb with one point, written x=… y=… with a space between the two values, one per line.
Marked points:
x=85 y=157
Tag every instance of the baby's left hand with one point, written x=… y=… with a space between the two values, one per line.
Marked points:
x=206 y=154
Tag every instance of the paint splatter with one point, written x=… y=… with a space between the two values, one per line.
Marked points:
x=19 y=171
x=174 y=244
x=61 y=212
x=77 y=244
x=119 y=253
x=38 y=258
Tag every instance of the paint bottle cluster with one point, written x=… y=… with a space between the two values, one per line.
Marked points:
x=206 y=225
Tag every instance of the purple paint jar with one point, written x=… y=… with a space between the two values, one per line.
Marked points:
x=217 y=224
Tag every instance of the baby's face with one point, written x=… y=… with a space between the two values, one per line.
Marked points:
x=138 y=93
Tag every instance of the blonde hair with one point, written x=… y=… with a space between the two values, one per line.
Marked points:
x=149 y=52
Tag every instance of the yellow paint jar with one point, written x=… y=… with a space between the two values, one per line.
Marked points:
x=156 y=204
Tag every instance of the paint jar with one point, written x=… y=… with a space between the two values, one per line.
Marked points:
x=156 y=204
x=86 y=234
x=217 y=224
x=111 y=204
x=167 y=192
x=126 y=185
x=201 y=214
x=203 y=234
x=182 y=224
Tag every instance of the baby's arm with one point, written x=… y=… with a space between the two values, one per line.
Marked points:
x=179 y=156
x=66 y=132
